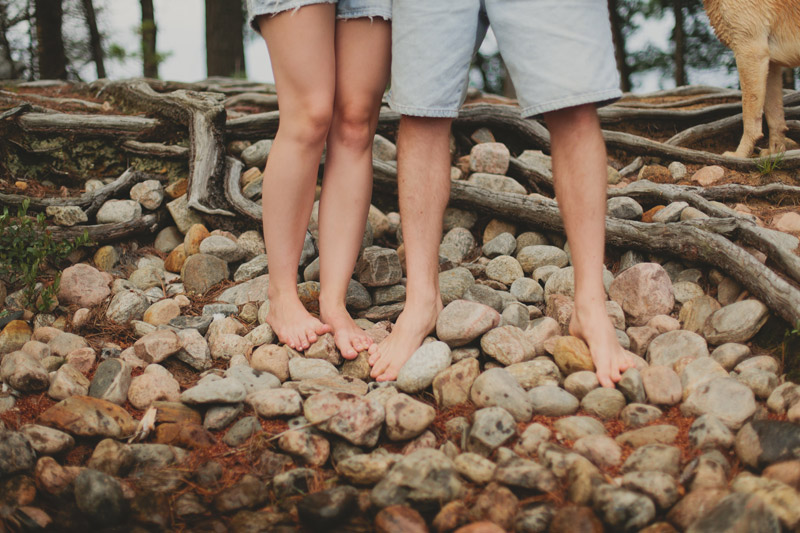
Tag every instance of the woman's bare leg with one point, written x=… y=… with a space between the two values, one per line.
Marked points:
x=362 y=72
x=300 y=45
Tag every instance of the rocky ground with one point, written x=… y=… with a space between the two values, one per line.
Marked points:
x=154 y=396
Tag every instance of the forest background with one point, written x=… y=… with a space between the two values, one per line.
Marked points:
x=659 y=43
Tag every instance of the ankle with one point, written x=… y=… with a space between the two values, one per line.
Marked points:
x=328 y=304
x=420 y=298
x=282 y=294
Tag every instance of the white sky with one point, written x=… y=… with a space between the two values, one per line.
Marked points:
x=181 y=35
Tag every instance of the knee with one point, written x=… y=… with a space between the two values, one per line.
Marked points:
x=353 y=125
x=310 y=125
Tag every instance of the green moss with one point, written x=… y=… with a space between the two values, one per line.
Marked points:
x=172 y=169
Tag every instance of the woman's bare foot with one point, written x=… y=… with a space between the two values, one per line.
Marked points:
x=412 y=326
x=293 y=324
x=591 y=323
x=349 y=338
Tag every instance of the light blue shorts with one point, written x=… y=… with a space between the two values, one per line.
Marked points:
x=559 y=53
x=345 y=9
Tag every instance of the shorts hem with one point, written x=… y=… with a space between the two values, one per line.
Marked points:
x=274 y=10
x=432 y=112
x=605 y=96
x=385 y=14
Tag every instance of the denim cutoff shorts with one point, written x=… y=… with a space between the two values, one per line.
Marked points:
x=345 y=9
x=559 y=53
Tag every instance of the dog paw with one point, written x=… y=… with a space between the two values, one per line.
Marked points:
x=734 y=154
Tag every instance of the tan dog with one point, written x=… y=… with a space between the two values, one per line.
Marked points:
x=765 y=37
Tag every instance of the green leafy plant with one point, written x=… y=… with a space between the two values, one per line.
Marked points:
x=27 y=249
x=790 y=345
x=769 y=163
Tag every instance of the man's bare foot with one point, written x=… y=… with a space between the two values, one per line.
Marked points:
x=293 y=324
x=412 y=326
x=349 y=338
x=594 y=327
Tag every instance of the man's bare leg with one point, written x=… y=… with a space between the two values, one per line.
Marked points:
x=423 y=169
x=300 y=45
x=579 y=171
x=362 y=71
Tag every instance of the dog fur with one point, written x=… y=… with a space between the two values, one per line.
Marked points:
x=765 y=37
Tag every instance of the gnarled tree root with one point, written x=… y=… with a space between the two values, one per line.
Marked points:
x=204 y=116
x=89 y=202
x=103 y=233
x=686 y=240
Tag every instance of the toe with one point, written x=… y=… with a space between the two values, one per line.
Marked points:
x=348 y=352
x=389 y=375
x=293 y=342
x=301 y=343
x=311 y=335
x=604 y=376
x=373 y=354
x=605 y=381
x=360 y=344
x=322 y=329
x=379 y=367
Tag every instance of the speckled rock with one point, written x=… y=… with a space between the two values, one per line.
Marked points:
x=423 y=366
x=496 y=387
x=737 y=322
x=725 y=398
x=463 y=321
x=643 y=291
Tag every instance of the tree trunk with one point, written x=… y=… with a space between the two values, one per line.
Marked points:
x=94 y=38
x=12 y=70
x=224 y=39
x=619 y=46
x=679 y=37
x=33 y=68
x=149 y=57
x=52 y=58
x=788 y=78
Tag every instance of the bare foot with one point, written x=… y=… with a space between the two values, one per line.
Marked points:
x=293 y=324
x=594 y=327
x=412 y=326
x=349 y=338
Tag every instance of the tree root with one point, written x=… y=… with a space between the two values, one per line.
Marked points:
x=89 y=202
x=103 y=233
x=204 y=117
x=682 y=239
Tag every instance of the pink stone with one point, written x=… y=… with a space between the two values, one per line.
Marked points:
x=788 y=222
x=80 y=317
x=559 y=307
x=640 y=338
x=157 y=346
x=664 y=323
x=709 y=175
x=83 y=285
x=463 y=321
x=492 y=158
x=662 y=385
x=643 y=291
x=155 y=384
x=82 y=359
x=162 y=312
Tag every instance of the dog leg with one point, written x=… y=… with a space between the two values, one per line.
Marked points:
x=773 y=108
x=752 y=61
